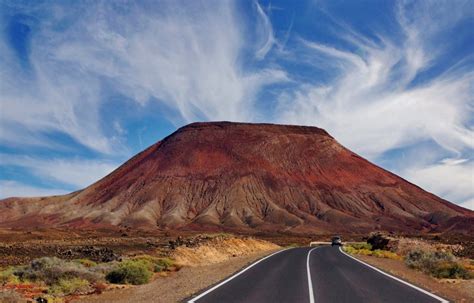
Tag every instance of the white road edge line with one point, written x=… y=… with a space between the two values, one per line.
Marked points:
x=193 y=300
x=395 y=278
x=310 y=282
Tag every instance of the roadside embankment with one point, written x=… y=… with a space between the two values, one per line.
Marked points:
x=202 y=266
x=220 y=250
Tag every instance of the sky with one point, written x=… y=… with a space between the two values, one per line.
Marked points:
x=85 y=85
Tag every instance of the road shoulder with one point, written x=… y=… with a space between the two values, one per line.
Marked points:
x=179 y=285
x=451 y=289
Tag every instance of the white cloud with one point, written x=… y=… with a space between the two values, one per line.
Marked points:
x=194 y=59
x=469 y=204
x=188 y=57
x=373 y=107
x=266 y=33
x=372 y=122
x=450 y=178
x=78 y=173
x=15 y=189
x=54 y=99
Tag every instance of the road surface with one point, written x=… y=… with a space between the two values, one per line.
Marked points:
x=320 y=275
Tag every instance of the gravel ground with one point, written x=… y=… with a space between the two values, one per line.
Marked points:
x=177 y=286
x=452 y=289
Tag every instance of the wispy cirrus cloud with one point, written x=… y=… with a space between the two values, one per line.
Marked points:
x=10 y=188
x=387 y=94
x=383 y=88
x=188 y=57
x=75 y=172
x=265 y=31
x=372 y=106
x=450 y=178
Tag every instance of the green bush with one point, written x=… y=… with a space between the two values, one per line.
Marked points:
x=7 y=276
x=451 y=270
x=164 y=263
x=437 y=264
x=155 y=264
x=131 y=272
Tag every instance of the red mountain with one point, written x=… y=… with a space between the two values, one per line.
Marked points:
x=246 y=177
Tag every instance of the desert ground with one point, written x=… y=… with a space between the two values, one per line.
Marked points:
x=199 y=260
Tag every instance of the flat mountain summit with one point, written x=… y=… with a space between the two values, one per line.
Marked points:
x=241 y=176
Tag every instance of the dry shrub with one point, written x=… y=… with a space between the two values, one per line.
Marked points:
x=52 y=270
x=86 y=262
x=103 y=268
x=403 y=246
x=72 y=286
x=437 y=263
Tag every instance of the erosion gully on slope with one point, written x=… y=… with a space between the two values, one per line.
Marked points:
x=247 y=178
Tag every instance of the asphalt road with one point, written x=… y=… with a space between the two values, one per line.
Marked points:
x=319 y=275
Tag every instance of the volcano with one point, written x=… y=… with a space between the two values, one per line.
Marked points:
x=249 y=177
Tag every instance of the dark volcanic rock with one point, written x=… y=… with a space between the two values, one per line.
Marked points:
x=97 y=254
x=240 y=176
x=378 y=241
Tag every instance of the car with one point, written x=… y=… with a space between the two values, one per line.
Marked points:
x=336 y=240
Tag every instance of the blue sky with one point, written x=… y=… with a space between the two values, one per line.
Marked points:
x=85 y=85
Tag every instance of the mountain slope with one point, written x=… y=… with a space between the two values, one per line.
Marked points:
x=246 y=176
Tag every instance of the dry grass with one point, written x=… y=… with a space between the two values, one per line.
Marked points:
x=157 y=264
x=365 y=249
x=10 y=296
x=216 y=251
x=72 y=286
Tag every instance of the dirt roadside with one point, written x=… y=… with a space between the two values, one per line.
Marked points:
x=452 y=289
x=178 y=285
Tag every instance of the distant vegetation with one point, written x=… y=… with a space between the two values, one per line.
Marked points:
x=436 y=260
